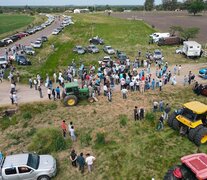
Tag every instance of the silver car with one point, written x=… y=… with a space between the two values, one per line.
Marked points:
x=28 y=167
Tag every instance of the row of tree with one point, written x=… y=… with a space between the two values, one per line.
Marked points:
x=193 y=6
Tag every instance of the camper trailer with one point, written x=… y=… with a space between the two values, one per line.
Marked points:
x=191 y=49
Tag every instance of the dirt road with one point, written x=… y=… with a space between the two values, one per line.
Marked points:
x=25 y=94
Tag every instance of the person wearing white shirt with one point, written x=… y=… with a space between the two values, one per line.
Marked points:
x=55 y=77
x=89 y=161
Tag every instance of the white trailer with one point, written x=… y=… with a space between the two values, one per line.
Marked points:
x=191 y=49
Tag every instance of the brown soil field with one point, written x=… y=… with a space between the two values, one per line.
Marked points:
x=162 y=20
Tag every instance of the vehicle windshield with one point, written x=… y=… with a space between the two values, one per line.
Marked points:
x=158 y=53
x=109 y=48
x=2 y=59
x=189 y=114
x=33 y=161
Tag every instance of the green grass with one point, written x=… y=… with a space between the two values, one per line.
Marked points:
x=13 y=22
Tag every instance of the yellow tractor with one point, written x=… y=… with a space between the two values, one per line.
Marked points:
x=191 y=120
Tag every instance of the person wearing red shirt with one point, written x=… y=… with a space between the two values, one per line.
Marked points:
x=64 y=128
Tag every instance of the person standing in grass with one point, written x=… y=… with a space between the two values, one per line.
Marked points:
x=30 y=83
x=72 y=133
x=160 y=85
x=49 y=92
x=64 y=128
x=141 y=113
x=89 y=161
x=124 y=93
x=81 y=162
x=73 y=158
x=53 y=94
x=136 y=113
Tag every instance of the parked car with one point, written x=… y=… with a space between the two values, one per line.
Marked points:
x=121 y=56
x=55 y=32
x=96 y=40
x=30 y=31
x=92 y=49
x=44 y=38
x=22 y=34
x=27 y=166
x=79 y=50
x=29 y=50
x=7 y=41
x=14 y=38
x=203 y=73
x=108 y=50
x=2 y=43
x=3 y=60
x=105 y=61
x=22 y=60
x=157 y=55
x=36 y=44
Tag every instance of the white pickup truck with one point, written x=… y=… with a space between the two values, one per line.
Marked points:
x=27 y=166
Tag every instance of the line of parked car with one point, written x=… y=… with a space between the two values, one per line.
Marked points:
x=66 y=22
x=9 y=40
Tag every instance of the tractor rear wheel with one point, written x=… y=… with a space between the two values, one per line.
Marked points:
x=192 y=132
x=171 y=118
x=90 y=99
x=70 y=100
x=169 y=175
x=201 y=136
x=176 y=124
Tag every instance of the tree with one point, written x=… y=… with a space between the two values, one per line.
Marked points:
x=196 y=6
x=188 y=33
x=148 y=5
x=169 y=4
x=185 y=33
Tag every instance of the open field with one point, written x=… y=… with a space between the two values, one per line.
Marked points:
x=134 y=150
x=163 y=20
x=14 y=22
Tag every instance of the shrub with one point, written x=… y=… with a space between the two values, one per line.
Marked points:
x=5 y=122
x=85 y=139
x=48 y=140
x=27 y=115
x=150 y=116
x=123 y=120
x=100 y=139
x=31 y=132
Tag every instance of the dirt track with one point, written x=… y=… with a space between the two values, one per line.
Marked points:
x=25 y=94
x=163 y=20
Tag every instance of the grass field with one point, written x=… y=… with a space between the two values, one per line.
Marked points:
x=13 y=22
x=131 y=150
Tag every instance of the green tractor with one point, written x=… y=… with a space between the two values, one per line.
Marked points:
x=72 y=94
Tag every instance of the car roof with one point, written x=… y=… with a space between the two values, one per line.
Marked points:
x=15 y=160
x=108 y=46
x=196 y=107
x=197 y=163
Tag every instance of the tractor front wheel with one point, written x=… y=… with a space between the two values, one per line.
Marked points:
x=201 y=136
x=70 y=100
x=176 y=124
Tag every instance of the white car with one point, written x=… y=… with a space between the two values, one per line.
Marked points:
x=108 y=50
x=55 y=32
x=3 y=60
x=7 y=41
x=36 y=44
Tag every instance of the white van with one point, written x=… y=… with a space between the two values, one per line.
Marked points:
x=191 y=49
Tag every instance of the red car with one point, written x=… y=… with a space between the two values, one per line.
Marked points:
x=194 y=167
x=22 y=34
